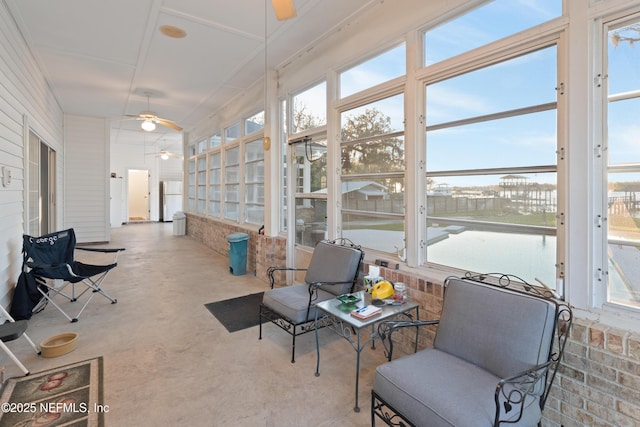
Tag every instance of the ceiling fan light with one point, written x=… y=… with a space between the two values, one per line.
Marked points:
x=148 y=125
x=164 y=156
x=284 y=9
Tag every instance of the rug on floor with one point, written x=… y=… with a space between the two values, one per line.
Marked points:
x=239 y=313
x=68 y=395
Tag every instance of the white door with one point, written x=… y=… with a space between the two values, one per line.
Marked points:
x=138 y=195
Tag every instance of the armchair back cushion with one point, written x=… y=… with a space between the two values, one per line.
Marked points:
x=333 y=263
x=502 y=331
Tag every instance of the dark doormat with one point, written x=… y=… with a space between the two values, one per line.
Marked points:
x=238 y=313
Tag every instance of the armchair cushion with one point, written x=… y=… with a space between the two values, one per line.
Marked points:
x=333 y=263
x=440 y=389
x=502 y=331
x=292 y=302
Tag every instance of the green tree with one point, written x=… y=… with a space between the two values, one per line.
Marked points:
x=372 y=155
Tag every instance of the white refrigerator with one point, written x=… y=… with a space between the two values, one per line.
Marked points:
x=170 y=199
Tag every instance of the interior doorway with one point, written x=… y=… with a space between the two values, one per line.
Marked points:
x=139 y=192
x=41 y=212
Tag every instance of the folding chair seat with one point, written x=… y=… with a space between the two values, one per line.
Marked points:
x=12 y=330
x=333 y=270
x=52 y=257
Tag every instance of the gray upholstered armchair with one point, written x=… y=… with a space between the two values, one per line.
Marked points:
x=333 y=270
x=497 y=347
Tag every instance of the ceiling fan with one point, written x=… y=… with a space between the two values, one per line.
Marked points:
x=284 y=9
x=165 y=155
x=150 y=119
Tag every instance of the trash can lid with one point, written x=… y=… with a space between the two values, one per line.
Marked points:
x=237 y=237
x=179 y=215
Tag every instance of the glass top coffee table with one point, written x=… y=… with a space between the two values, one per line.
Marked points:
x=337 y=316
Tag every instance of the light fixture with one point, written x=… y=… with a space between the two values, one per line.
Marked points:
x=148 y=125
x=173 y=32
x=164 y=156
x=284 y=9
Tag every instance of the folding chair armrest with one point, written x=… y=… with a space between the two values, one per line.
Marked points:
x=386 y=329
x=271 y=271
x=105 y=250
x=37 y=265
x=515 y=389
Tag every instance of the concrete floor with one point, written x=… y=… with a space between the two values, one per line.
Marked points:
x=169 y=362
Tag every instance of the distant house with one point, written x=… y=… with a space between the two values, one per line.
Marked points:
x=361 y=190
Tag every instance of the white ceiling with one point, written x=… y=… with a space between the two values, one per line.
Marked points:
x=101 y=56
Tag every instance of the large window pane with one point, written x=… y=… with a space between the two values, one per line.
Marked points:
x=623 y=177
x=486 y=91
x=491 y=157
x=232 y=132
x=310 y=181
x=382 y=68
x=191 y=202
x=478 y=27
x=232 y=184
x=214 y=184
x=523 y=140
x=310 y=108
x=373 y=165
x=311 y=220
x=254 y=182
x=254 y=123
x=378 y=118
x=202 y=184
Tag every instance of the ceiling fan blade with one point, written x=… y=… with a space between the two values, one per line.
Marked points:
x=284 y=9
x=168 y=123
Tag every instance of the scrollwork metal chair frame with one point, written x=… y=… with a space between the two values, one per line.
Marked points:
x=333 y=270
x=510 y=393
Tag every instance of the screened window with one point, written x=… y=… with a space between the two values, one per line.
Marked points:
x=491 y=168
x=372 y=151
x=202 y=184
x=202 y=146
x=215 y=140
x=232 y=184
x=623 y=163
x=254 y=123
x=310 y=182
x=254 y=182
x=479 y=26
x=310 y=108
x=232 y=132
x=191 y=197
x=215 y=181
x=382 y=68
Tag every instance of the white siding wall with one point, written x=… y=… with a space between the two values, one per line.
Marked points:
x=86 y=179
x=26 y=101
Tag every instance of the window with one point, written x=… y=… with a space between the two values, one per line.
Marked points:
x=478 y=27
x=202 y=184
x=382 y=68
x=254 y=123
x=232 y=132
x=622 y=195
x=372 y=147
x=310 y=108
x=202 y=146
x=191 y=197
x=215 y=180
x=215 y=140
x=309 y=164
x=310 y=183
x=254 y=182
x=232 y=184
x=491 y=168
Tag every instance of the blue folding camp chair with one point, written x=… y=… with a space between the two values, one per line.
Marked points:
x=52 y=257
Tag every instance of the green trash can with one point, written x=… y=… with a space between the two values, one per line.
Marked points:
x=238 y=253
